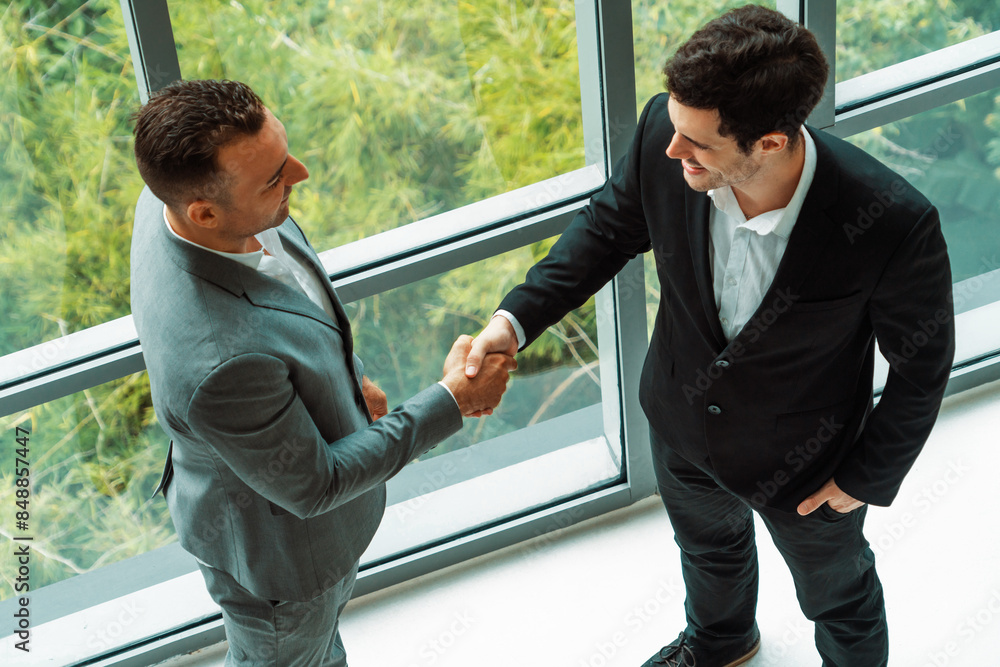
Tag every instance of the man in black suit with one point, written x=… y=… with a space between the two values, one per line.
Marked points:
x=783 y=254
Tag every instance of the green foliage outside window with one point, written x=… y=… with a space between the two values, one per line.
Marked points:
x=67 y=189
x=399 y=109
x=67 y=180
x=951 y=153
x=872 y=34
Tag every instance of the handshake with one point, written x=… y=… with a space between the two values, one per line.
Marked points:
x=477 y=370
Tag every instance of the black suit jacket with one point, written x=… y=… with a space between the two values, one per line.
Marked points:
x=787 y=404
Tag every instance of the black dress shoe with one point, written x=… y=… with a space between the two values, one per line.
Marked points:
x=680 y=653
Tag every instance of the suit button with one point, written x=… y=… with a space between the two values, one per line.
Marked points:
x=714 y=410
x=722 y=363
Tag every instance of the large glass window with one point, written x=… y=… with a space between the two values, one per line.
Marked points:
x=400 y=109
x=93 y=459
x=546 y=439
x=872 y=34
x=95 y=456
x=67 y=181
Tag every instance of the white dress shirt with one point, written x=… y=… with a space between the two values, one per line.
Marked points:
x=744 y=253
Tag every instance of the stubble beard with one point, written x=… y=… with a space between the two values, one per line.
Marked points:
x=740 y=173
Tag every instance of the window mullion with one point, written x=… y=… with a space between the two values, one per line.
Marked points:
x=151 y=41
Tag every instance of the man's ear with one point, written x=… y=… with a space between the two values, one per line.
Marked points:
x=203 y=213
x=773 y=142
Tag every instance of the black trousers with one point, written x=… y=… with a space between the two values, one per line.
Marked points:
x=827 y=553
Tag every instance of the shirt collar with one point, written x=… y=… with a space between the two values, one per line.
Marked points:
x=251 y=259
x=779 y=221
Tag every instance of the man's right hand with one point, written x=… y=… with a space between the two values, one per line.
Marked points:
x=479 y=395
x=498 y=336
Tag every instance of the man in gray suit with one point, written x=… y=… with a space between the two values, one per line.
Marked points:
x=276 y=470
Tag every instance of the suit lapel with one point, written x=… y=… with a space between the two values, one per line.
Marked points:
x=294 y=238
x=807 y=240
x=697 y=206
x=809 y=235
x=267 y=292
x=260 y=290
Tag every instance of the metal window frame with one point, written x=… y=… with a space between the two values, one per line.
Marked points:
x=907 y=98
x=151 y=42
x=820 y=17
x=607 y=84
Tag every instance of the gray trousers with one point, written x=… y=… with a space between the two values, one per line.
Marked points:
x=274 y=633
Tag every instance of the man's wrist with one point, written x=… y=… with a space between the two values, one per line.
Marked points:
x=450 y=393
x=518 y=329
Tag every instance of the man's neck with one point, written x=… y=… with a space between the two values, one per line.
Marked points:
x=773 y=186
x=203 y=237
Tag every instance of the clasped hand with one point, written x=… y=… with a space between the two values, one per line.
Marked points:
x=477 y=396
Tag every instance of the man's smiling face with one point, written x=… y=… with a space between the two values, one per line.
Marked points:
x=709 y=159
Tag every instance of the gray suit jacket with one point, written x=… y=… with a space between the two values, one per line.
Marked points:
x=275 y=472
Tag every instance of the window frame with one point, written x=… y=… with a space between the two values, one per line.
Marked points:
x=605 y=44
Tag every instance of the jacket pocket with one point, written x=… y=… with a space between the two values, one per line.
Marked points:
x=827 y=304
x=830 y=514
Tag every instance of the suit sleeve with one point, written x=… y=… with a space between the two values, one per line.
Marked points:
x=249 y=411
x=913 y=318
x=600 y=240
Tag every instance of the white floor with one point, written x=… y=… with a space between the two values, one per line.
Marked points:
x=608 y=592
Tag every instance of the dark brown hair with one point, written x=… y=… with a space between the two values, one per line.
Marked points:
x=759 y=69
x=179 y=132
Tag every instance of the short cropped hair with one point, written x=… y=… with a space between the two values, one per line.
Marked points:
x=759 y=69
x=179 y=132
